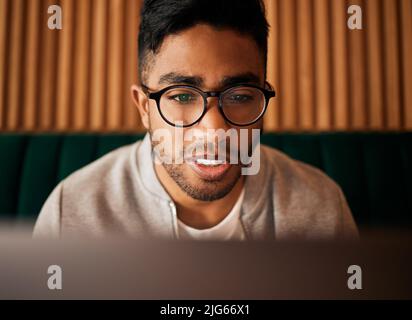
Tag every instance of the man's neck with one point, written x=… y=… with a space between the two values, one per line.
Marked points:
x=196 y=213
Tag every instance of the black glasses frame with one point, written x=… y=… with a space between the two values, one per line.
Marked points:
x=215 y=94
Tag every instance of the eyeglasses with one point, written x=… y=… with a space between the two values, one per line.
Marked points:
x=184 y=106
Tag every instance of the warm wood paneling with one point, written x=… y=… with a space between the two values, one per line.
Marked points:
x=4 y=5
x=82 y=58
x=374 y=56
x=323 y=68
x=64 y=68
x=305 y=64
x=287 y=50
x=114 y=64
x=392 y=64
x=98 y=65
x=14 y=55
x=327 y=77
x=272 y=121
x=31 y=65
x=406 y=28
x=340 y=66
x=131 y=120
x=48 y=75
x=357 y=79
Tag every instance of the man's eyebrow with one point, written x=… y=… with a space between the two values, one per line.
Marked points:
x=176 y=78
x=247 y=77
x=227 y=81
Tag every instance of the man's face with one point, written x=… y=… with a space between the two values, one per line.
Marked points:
x=211 y=60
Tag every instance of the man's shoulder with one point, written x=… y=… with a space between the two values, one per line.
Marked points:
x=94 y=199
x=297 y=173
x=110 y=167
x=308 y=202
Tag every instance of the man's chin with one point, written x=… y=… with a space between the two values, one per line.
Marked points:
x=205 y=186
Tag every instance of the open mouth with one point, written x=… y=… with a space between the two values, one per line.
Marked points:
x=208 y=162
x=209 y=169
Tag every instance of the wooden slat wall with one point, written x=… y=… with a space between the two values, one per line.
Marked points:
x=74 y=79
x=327 y=77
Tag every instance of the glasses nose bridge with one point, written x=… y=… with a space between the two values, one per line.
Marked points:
x=212 y=94
x=214 y=116
x=208 y=106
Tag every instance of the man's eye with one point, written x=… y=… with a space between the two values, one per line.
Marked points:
x=183 y=97
x=240 y=98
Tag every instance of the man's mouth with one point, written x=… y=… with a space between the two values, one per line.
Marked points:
x=207 y=162
x=209 y=169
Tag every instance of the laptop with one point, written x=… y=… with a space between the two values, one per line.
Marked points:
x=377 y=267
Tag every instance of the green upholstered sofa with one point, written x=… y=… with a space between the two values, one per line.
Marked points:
x=373 y=169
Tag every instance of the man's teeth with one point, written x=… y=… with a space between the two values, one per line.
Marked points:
x=207 y=162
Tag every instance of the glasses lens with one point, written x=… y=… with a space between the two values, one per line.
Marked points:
x=181 y=105
x=243 y=105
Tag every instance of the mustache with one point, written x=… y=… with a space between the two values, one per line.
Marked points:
x=214 y=151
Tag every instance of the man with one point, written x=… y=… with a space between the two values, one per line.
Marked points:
x=202 y=66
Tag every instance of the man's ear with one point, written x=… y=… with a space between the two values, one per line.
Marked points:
x=142 y=103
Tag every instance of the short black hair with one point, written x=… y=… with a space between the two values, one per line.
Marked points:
x=160 y=18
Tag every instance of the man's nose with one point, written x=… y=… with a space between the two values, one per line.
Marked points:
x=213 y=119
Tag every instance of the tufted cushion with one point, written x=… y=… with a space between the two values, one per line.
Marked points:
x=373 y=169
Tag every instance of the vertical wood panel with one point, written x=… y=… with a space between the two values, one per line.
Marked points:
x=392 y=85
x=3 y=51
x=340 y=65
x=288 y=66
x=65 y=67
x=375 y=63
x=48 y=70
x=15 y=63
x=114 y=86
x=406 y=11
x=31 y=86
x=81 y=89
x=322 y=60
x=305 y=65
x=98 y=65
x=357 y=76
x=271 y=121
x=131 y=118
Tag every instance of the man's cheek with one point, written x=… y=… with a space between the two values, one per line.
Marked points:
x=162 y=142
x=178 y=145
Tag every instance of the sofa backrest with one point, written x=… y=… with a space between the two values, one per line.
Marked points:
x=373 y=169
